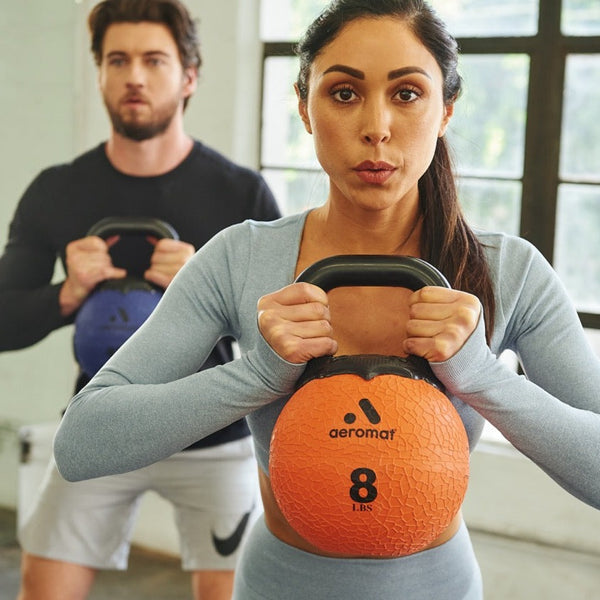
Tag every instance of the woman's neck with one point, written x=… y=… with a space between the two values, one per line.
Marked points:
x=393 y=231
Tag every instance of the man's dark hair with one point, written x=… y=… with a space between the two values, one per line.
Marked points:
x=170 y=13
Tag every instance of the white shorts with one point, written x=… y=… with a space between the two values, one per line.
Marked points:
x=214 y=493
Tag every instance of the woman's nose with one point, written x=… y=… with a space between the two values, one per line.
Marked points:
x=376 y=123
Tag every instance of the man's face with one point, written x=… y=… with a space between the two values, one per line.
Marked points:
x=141 y=79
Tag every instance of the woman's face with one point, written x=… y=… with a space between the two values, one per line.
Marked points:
x=375 y=108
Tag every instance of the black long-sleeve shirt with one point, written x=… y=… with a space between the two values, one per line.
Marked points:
x=204 y=194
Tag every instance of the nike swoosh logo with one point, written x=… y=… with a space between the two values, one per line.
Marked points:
x=227 y=546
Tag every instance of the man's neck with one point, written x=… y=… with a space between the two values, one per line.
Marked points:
x=155 y=156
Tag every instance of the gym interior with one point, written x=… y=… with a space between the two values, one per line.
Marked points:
x=538 y=544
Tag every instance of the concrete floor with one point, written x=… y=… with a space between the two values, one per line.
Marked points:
x=150 y=576
x=517 y=570
x=512 y=570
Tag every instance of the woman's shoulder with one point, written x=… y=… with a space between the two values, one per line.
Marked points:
x=255 y=244
x=507 y=253
x=520 y=272
x=501 y=239
x=281 y=230
x=287 y=223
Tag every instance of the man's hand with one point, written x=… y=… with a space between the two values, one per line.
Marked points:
x=168 y=257
x=88 y=263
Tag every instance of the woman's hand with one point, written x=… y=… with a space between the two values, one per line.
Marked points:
x=440 y=322
x=295 y=321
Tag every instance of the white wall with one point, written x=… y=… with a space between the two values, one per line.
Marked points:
x=50 y=111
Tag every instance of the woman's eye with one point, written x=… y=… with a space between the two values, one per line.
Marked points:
x=407 y=95
x=344 y=95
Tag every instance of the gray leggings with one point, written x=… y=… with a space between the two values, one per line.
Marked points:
x=269 y=569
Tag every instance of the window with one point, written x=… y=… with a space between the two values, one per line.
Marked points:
x=525 y=133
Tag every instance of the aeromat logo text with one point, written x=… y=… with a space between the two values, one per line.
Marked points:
x=370 y=412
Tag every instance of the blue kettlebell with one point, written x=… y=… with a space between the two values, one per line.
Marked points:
x=117 y=307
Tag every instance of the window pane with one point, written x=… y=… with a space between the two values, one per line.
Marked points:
x=285 y=142
x=491 y=205
x=487 y=131
x=581 y=17
x=580 y=150
x=489 y=18
x=297 y=190
x=577 y=244
x=282 y=20
x=287 y=19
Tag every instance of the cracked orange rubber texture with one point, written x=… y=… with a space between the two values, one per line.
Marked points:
x=369 y=468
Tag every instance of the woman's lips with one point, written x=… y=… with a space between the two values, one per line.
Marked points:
x=374 y=172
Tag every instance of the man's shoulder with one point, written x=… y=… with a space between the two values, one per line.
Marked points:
x=89 y=160
x=211 y=160
x=93 y=158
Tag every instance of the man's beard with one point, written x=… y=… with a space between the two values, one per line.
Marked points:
x=140 y=131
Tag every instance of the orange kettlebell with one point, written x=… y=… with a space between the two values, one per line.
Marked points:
x=369 y=457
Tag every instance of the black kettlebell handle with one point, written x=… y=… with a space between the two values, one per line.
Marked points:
x=372 y=270
x=110 y=226
x=131 y=226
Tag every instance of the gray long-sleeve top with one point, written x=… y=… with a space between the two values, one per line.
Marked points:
x=149 y=402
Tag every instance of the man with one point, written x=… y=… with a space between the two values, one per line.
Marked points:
x=148 y=60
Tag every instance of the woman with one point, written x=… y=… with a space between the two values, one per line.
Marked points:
x=376 y=90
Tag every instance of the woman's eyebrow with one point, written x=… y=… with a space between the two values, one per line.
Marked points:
x=357 y=74
x=397 y=73
x=344 y=69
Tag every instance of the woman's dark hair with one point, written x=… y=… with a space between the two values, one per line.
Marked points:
x=170 y=13
x=447 y=241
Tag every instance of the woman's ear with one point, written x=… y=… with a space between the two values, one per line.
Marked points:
x=448 y=112
x=302 y=110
